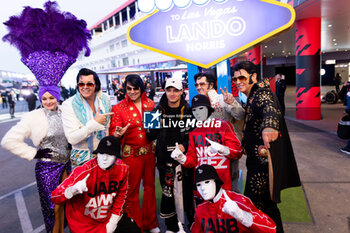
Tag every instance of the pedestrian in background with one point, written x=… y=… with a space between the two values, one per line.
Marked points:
x=11 y=99
x=337 y=82
x=280 y=91
x=64 y=93
x=120 y=93
x=150 y=91
x=4 y=99
x=31 y=100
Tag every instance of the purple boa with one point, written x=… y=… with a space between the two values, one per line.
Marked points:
x=53 y=90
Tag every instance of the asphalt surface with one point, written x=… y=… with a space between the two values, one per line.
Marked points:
x=323 y=170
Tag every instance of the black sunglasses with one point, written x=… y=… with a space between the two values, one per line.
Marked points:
x=132 y=88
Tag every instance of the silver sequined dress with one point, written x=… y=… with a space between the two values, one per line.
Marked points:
x=55 y=138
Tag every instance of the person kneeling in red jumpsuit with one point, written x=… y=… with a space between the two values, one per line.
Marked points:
x=95 y=193
x=223 y=210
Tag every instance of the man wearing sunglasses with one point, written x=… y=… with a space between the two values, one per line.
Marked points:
x=85 y=117
x=270 y=162
x=137 y=152
x=226 y=107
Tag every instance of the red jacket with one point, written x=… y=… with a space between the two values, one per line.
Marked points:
x=126 y=112
x=210 y=218
x=91 y=210
x=198 y=152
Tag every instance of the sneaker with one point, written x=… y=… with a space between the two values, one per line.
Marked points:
x=155 y=230
x=345 y=150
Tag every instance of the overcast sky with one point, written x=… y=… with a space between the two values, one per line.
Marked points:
x=89 y=10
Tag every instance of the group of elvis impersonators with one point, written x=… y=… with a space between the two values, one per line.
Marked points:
x=194 y=154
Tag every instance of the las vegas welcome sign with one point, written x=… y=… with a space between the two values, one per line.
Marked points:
x=206 y=35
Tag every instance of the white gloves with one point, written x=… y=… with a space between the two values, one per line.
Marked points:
x=178 y=155
x=231 y=208
x=181 y=228
x=78 y=188
x=217 y=147
x=112 y=223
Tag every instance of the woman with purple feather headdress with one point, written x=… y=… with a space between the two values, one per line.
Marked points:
x=49 y=42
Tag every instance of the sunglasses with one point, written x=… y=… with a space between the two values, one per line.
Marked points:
x=200 y=84
x=240 y=78
x=86 y=84
x=132 y=88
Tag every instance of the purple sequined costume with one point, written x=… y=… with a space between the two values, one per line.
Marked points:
x=49 y=42
x=48 y=171
x=48 y=176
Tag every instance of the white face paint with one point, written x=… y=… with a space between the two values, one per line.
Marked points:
x=200 y=113
x=105 y=160
x=206 y=189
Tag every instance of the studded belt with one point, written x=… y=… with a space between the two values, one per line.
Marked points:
x=135 y=150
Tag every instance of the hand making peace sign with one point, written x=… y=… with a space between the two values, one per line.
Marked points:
x=228 y=97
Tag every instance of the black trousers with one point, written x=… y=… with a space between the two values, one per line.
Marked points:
x=12 y=110
x=127 y=225
x=167 y=208
x=257 y=189
x=4 y=103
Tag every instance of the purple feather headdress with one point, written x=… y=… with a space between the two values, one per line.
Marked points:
x=49 y=41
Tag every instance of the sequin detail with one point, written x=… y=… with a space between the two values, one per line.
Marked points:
x=55 y=138
x=48 y=176
x=48 y=67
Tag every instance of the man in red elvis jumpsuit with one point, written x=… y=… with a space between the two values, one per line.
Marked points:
x=214 y=142
x=137 y=152
x=225 y=211
x=95 y=193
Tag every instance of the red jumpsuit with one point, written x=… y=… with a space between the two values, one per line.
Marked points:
x=138 y=154
x=91 y=210
x=210 y=218
x=199 y=154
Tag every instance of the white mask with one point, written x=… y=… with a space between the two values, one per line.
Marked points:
x=105 y=160
x=207 y=189
x=200 y=113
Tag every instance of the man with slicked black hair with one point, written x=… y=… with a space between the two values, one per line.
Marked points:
x=266 y=141
x=86 y=116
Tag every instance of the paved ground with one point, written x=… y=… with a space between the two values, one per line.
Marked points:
x=323 y=170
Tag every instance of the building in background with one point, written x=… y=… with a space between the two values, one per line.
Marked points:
x=113 y=56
